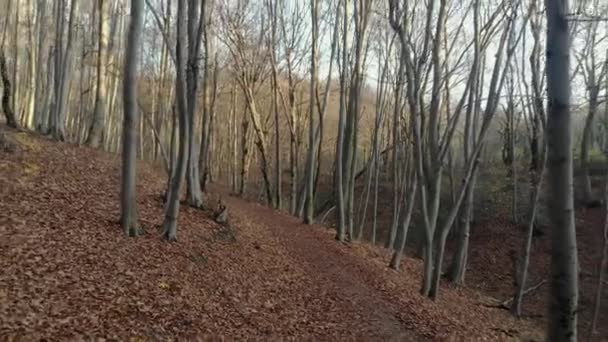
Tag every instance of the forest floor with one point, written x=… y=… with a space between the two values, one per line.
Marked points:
x=69 y=272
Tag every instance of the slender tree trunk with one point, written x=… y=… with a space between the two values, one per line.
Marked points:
x=563 y=305
x=41 y=53
x=340 y=145
x=310 y=201
x=523 y=271
x=234 y=140
x=396 y=147
x=586 y=142
x=245 y=158
x=273 y=9
x=99 y=109
x=458 y=268
x=410 y=201
x=172 y=209
x=47 y=105
x=260 y=140
x=63 y=76
x=129 y=154
x=195 y=26
x=33 y=21
x=7 y=93
x=601 y=271
x=16 y=100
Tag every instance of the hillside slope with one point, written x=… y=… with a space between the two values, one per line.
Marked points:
x=68 y=271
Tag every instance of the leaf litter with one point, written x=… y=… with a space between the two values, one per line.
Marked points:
x=69 y=272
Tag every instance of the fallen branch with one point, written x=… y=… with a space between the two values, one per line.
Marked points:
x=326 y=214
x=506 y=304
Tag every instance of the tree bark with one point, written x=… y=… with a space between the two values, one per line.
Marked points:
x=196 y=24
x=42 y=47
x=131 y=117
x=63 y=70
x=523 y=271
x=7 y=93
x=172 y=210
x=99 y=109
x=310 y=201
x=564 y=264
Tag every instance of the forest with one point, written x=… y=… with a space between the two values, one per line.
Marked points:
x=461 y=145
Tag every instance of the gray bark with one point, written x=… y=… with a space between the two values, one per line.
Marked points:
x=47 y=106
x=341 y=219
x=196 y=24
x=564 y=263
x=131 y=118
x=40 y=55
x=272 y=7
x=99 y=109
x=410 y=201
x=62 y=70
x=172 y=209
x=310 y=201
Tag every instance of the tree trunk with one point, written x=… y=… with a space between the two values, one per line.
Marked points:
x=172 y=209
x=395 y=162
x=601 y=271
x=458 y=268
x=129 y=154
x=41 y=21
x=411 y=199
x=47 y=105
x=234 y=139
x=340 y=145
x=99 y=109
x=7 y=93
x=16 y=100
x=564 y=264
x=33 y=67
x=523 y=271
x=62 y=75
x=272 y=9
x=586 y=142
x=195 y=26
x=245 y=155
x=310 y=201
